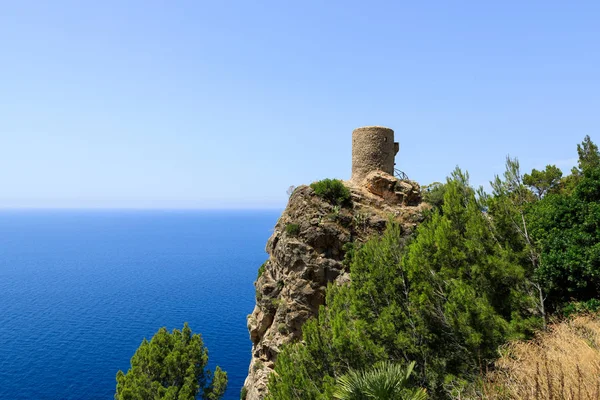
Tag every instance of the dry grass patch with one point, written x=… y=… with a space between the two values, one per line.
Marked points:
x=561 y=364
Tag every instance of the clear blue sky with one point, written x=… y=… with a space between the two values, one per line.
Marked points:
x=225 y=104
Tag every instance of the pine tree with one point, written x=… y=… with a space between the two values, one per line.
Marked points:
x=171 y=366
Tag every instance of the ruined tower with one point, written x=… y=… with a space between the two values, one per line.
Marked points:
x=373 y=148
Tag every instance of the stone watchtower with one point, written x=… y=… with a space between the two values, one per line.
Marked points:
x=373 y=149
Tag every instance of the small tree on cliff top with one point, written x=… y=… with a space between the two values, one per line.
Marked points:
x=171 y=366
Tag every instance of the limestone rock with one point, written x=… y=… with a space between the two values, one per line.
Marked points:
x=380 y=183
x=392 y=189
x=409 y=191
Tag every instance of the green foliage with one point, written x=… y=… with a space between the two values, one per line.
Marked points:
x=261 y=269
x=171 y=366
x=243 y=393
x=275 y=302
x=542 y=182
x=556 y=231
x=258 y=365
x=567 y=230
x=508 y=208
x=468 y=293
x=334 y=191
x=333 y=341
x=282 y=328
x=295 y=376
x=292 y=229
x=580 y=307
x=349 y=251
x=589 y=156
x=360 y=220
x=385 y=381
x=434 y=194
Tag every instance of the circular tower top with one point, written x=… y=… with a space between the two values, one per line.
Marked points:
x=373 y=128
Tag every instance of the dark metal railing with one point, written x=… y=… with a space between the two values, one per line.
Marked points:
x=400 y=175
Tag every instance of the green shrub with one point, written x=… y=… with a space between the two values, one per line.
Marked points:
x=258 y=365
x=261 y=269
x=335 y=214
x=282 y=328
x=565 y=228
x=332 y=190
x=332 y=217
x=360 y=220
x=434 y=194
x=581 y=307
x=349 y=251
x=243 y=393
x=292 y=229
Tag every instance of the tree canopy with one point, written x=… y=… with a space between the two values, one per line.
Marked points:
x=542 y=182
x=171 y=366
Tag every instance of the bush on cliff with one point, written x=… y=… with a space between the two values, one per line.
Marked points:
x=171 y=366
x=292 y=229
x=332 y=190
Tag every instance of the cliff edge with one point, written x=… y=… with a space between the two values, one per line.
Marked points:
x=306 y=253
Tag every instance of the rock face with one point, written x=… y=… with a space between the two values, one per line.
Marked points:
x=393 y=190
x=306 y=252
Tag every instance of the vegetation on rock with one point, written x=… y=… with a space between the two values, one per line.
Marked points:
x=292 y=229
x=261 y=269
x=332 y=190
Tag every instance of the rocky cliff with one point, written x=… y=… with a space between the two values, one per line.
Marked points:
x=306 y=252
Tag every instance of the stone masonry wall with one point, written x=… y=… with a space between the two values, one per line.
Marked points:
x=373 y=149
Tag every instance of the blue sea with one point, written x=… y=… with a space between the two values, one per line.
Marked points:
x=79 y=290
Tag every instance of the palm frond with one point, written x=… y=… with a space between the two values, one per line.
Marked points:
x=385 y=381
